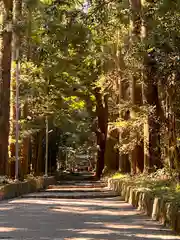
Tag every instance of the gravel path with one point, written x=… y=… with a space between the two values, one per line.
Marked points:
x=55 y=219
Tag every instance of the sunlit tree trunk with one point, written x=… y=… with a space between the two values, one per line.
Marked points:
x=5 y=76
x=16 y=41
x=124 y=163
x=136 y=96
x=27 y=139
x=152 y=153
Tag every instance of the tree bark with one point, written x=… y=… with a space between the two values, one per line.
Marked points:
x=34 y=149
x=101 y=133
x=39 y=154
x=152 y=125
x=5 y=75
x=26 y=140
x=134 y=38
x=152 y=153
x=111 y=153
x=16 y=41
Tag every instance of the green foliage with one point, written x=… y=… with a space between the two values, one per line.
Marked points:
x=160 y=184
x=118 y=176
x=123 y=59
x=69 y=51
x=56 y=81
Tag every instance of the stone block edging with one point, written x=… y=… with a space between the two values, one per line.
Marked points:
x=158 y=209
x=20 y=188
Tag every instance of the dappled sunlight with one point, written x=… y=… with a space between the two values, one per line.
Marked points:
x=11 y=229
x=91 y=231
x=35 y=201
x=78 y=238
x=70 y=209
x=95 y=223
x=71 y=202
x=6 y=208
x=151 y=236
x=122 y=226
x=133 y=226
x=82 y=210
x=88 y=219
x=97 y=231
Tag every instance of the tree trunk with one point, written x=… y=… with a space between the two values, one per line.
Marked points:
x=152 y=125
x=152 y=153
x=54 y=140
x=25 y=144
x=172 y=149
x=25 y=156
x=34 y=150
x=26 y=140
x=101 y=133
x=111 y=153
x=134 y=38
x=5 y=76
x=124 y=161
x=16 y=41
x=39 y=154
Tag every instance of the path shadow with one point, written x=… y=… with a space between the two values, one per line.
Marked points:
x=97 y=219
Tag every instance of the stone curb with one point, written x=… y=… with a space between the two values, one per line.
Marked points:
x=17 y=189
x=158 y=209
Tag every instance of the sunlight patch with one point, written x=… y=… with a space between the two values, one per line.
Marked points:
x=96 y=232
x=10 y=229
x=120 y=226
x=82 y=210
x=95 y=223
x=157 y=236
x=6 y=208
x=78 y=238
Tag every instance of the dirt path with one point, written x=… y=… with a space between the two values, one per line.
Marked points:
x=66 y=218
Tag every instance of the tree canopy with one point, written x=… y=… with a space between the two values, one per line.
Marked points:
x=104 y=68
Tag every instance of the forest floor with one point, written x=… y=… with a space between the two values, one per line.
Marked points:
x=160 y=184
x=59 y=216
